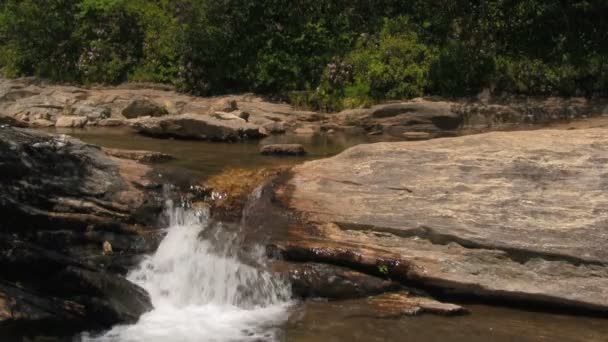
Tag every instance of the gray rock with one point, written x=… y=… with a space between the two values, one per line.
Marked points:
x=193 y=126
x=334 y=282
x=93 y=113
x=518 y=216
x=143 y=107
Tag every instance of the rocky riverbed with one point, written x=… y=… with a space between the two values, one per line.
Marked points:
x=392 y=229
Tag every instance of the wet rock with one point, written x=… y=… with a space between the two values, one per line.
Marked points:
x=71 y=121
x=516 y=216
x=108 y=299
x=193 y=126
x=139 y=155
x=51 y=181
x=143 y=107
x=283 y=150
x=22 y=305
x=40 y=284
x=61 y=201
x=334 y=282
x=8 y=121
x=392 y=305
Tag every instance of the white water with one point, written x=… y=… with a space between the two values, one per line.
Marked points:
x=201 y=291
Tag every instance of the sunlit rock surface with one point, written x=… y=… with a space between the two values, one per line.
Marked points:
x=519 y=216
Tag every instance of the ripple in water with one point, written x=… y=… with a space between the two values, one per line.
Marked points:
x=202 y=291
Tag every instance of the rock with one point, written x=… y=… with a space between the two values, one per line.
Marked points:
x=193 y=126
x=274 y=127
x=41 y=123
x=8 y=121
x=111 y=122
x=334 y=282
x=393 y=305
x=71 y=121
x=415 y=115
x=49 y=181
x=143 y=107
x=283 y=150
x=515 y=216
x=225 y=105
x=62 y=199
x=107 y=248
x=307 y=130
x=244 y=115
x=108 y=299
x=138 y=155
x=93 y=113
x=22 y=305
x=41 y=285
x=417 y=135
x=226 y=116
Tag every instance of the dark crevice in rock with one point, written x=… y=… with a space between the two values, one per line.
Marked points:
x=412 y=276
x=521 y=256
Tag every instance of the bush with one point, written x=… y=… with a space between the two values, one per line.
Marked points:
x=461 y=70
x=535 y=77
x=393 y=65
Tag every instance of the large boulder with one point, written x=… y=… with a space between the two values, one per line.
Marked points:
x=517 y=216
x=50 y=181
x=430 y=117
x=63 y=202
x=193 y=126
x=143 y=107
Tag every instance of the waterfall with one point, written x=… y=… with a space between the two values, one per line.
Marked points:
x=202 y=290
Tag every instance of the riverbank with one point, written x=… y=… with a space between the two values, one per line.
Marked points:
x=160 y=112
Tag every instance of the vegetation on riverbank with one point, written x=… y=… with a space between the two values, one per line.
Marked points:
x=323 y=54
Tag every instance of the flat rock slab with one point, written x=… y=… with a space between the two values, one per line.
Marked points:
x=194 y=126
x=516 y=215
x=139 y=155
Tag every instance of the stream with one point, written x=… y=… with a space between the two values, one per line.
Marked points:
x=205 y=286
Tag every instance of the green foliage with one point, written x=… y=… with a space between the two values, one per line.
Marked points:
x=325 y=54
x=383 y=269
x=460 y=71
x=392 y=65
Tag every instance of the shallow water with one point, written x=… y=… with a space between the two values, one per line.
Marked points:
x=203 y=292
x=208 y=158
